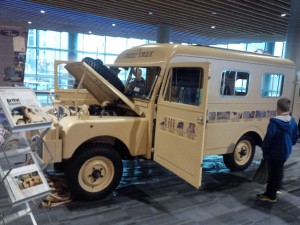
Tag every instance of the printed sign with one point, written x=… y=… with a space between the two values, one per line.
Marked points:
x=139 y=54
x=238 y=115
x=179 y=127
x=26 y=182
x=22 y=110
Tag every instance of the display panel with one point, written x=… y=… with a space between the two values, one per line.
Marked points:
x=25 y=183
x=22 y=109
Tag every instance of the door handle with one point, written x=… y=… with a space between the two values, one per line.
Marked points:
x=199 y=119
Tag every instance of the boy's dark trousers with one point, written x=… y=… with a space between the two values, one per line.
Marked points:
x=275 y=177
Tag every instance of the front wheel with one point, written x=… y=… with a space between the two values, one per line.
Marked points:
x=242 y=156
x=94 y=172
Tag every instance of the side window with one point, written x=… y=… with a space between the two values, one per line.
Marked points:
x=185 y=86
x=272 y=85
x=234 y=83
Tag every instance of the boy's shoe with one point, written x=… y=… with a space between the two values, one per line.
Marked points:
x=265 y=198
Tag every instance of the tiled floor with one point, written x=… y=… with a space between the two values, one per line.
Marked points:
x=151 y=195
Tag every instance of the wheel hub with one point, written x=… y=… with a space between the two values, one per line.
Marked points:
x=243 y=152
x=96 y=174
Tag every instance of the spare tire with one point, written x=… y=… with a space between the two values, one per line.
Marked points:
x=98 y=62
x=91 y=62
x=98 y=66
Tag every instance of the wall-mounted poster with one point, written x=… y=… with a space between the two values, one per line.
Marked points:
x=13 y=42
x=22 y=109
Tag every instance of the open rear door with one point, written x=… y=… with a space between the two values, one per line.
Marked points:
x=181 y=119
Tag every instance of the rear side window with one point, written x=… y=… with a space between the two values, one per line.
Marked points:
x=234 y=83
x=185 y=86
x=272 y=85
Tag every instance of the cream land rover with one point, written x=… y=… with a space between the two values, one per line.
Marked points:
x=197 y=101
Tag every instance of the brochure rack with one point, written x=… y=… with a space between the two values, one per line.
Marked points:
x=21 y=116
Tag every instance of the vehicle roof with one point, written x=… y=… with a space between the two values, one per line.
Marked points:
x=157 y=53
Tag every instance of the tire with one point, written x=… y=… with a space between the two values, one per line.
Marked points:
x=242 y=156
x=98 y=62
x=98 y=66
x=94 y=172
x=92 y=62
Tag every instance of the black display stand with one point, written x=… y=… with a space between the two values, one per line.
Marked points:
x=22 y=126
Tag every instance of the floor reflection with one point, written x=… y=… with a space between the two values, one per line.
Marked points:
x=142 y=171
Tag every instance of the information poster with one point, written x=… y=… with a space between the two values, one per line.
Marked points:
x=26 y=182
x=22 y=109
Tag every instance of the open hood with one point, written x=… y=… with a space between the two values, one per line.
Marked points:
x=98 y=86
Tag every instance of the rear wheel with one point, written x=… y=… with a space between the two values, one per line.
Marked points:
x=94 y=172
x=242 y=156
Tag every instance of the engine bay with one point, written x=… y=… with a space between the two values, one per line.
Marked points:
x=106 y=109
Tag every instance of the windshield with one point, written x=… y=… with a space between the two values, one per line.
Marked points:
x=139 y=81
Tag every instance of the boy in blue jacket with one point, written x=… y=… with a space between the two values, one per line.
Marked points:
x=282 y=134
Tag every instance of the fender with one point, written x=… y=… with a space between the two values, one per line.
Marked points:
x=132 y=131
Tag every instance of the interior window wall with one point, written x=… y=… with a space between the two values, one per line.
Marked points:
x=44 y=47
x=109 y=59
x=240 y=47
x=131 y=42
x=115 y=45
x=52 y=39
x=279 y=49
x=252 y=47
x=91 y=43
x=220 y=46
x=31 y=38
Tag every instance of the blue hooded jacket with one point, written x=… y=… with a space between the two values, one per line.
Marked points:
x=282 y=134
